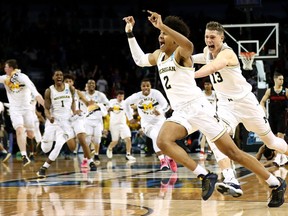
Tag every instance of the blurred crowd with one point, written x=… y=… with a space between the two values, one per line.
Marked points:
x=88 y=39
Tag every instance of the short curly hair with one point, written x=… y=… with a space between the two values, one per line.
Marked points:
x=177 y=24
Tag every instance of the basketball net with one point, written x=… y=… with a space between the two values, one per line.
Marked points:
x=247 y=59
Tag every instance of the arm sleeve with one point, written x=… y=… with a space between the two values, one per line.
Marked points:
x=138 y=55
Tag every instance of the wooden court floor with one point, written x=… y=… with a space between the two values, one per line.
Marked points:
x=121 y=188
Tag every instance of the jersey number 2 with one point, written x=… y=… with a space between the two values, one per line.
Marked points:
x=166 y=79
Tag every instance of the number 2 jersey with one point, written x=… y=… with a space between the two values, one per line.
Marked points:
x=178 y=81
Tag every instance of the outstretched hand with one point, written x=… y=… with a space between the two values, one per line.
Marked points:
x=155 y=19
x=130 y=22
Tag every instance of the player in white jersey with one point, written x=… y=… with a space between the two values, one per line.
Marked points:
x=230 y=185
x=210 y=94
x=78 y=124
x=18 y=88
x=94 y=124
x=59 y=107
x=151 y=106
x=118 y=126
x=192 y=111
x=94 y=128
x=236 y=103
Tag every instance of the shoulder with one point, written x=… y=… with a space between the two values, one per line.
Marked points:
x=48 y=89
x=21 y=76
x=269 y=90
x=155 y=91
x=101 y=93
x=47 y=92
x=112 y=100
x=72 y=88
x=132 y=96
x=153 y=58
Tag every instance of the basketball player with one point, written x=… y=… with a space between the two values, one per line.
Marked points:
x=151 y=106
x=236 y=102
x=59 y=107
x=78 y=124
x=269 y=154
x=98 y=97
x=18 y=88
x=230 y=185
x=118 y=126
x=277 y=96
x=192 y=111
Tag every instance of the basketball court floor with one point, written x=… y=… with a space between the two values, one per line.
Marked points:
x=121 y=188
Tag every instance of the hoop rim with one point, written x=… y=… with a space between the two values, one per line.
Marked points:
x=247 y=54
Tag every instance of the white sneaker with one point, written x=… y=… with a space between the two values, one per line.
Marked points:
x=109 y=153
x=130 y=157
x=229 y=188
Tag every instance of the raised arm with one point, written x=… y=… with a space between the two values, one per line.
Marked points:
x=185 y=46
x=140 y=58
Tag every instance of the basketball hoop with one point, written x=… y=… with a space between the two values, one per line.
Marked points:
x=247 y=59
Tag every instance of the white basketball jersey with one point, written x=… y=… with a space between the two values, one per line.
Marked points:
x=61 y=102
x=98 y=97
x=229 y=81
x=146 y=105
x=19 y=88
x=178 y=82
x=117 y=115
x=211 y=98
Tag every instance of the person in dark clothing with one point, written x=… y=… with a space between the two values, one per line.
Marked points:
x=277 y=96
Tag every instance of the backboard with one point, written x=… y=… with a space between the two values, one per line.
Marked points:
x=261 y=38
